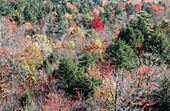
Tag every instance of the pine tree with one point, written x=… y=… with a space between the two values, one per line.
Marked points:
x=150 y=11
x=72 y=79
x=52 y=58
x=85 y=60
x=129 y=9
x=161 y=3
x=137 y=31
x=29 y=16
x=46 y=66
x=122 y=54
x=131 y=37
x=118 y=10
x=18 y=17
x=160 y=44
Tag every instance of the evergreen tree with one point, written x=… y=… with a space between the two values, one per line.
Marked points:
x=18 y=17
x=108 y=14
x=150 y=11
x=137 y=30
x=160 y=44
x=29 y=16
x=122 y=54
x=72 y=79
x=52 y=58
x=46 y=66
x=118 y=10
x=131 y=37
x=26 y=99
x=85 y=60
x=129 y=9
x=161 y=3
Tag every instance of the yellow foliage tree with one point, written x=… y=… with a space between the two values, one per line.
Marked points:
x=105 y=94
x=76 y=32
x=100 y=45
x=42 y=44
x=31 y=58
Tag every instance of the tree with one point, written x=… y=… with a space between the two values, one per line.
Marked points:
x=29 y=16
x=160 y=44
x=31 y=58
x=148 y=9
x=97 y=25
x=131 y=37
x=52 y=58
x=162 y=3
x=129 y=9
x=42 y=44
x=162 y=94
x=138 y=86
x=46 y=66
x=86 y=60
x=18 y=17
x=56 y=26
x=118 y=10
x=26 y=99
x=122 y=54
x=137 y=31
x=72 y=79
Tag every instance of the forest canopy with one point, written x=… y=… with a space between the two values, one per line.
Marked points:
x=84 y=55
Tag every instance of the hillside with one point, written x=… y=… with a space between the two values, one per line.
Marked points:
x=84 y=55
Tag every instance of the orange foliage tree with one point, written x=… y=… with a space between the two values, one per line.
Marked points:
x=157 y=7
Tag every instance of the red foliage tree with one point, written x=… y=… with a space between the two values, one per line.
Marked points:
x=137 y=6
x=97 y=25
x=57 y=102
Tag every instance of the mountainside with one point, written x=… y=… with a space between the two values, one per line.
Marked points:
x=84 y=55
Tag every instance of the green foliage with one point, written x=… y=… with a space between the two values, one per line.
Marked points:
x=87 y=59
x=29 y=16
x=46 y=66
x=160 y=44
x=143 y=25
x=136 y=31
x=122 y=54
x=18 y=17
x=150 y=11
x=52 y=58
x=131 y=36
x=47 y=63
x=26 y=99
x=129 y=9
x=161 y=3
x=72 y=79
x=86 y=20
x=118 y=10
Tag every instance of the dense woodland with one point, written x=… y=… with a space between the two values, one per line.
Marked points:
x=84 y=55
